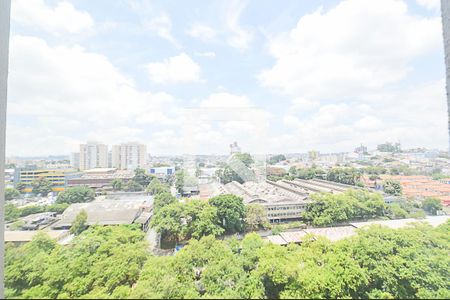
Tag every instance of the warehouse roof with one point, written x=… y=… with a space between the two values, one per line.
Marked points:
x=105 y=212
x=400 y=223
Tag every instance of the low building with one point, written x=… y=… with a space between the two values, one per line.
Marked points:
x=35 y=221
x=22 y=237
x=58 y=177
x=281 y=203
x=100 y=177
x=108 y=212
x=297 y=237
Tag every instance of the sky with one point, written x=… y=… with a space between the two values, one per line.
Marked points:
x=191 y=77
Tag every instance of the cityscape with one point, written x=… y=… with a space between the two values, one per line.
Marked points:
x=229 y=150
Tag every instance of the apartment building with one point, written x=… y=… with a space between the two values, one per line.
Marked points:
x=93 y=155
x=128 y=156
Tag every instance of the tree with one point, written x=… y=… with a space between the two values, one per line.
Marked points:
x=133 y=186
x=142 y=178
x=179 y=181
x=41 y=186
x=76 y=194
x=117 y=184
x=432 y=205
x=156 y=187
x=276 y=159
x=201 y=220
x=11 y=212
x=344 y=175
x=256 y=217
x=11 y=193
x=80 y=223
x=392 y=187
x=163 y=199
x=20 y=186
x=327 y=209
x=230 y=212
x=167 y=221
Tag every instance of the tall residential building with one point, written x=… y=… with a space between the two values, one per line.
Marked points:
x=445 y=10
x=129 y=156
x=93 y=155
x=75 y=160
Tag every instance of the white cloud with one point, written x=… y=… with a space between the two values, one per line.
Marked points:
x=180 y=68
x=162 y=26
x=72 y=94
x=61 y=19
x=240 y=37
x=430 y=4
x=358 y=46
x=201 y=32
x=209 y=54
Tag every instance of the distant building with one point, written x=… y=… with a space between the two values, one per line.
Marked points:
x=11 y=178
x=100 y=177
x=234 y=148
x=75 y=160
x=361 y=149
x=313 y=155
x=57 y=177
x=93 y=155
x=162 y=172
x=129 y=156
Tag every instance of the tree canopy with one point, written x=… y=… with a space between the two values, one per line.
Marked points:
x=11 y=193
x=41 y=186
x=76 y=194
x=432 y=205
x=392 y=187
x=230 y=212
x=112 y=262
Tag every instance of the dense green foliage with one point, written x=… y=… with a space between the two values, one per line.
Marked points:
x=111 y=262
x=11 y=193
x=230 y=212
x=117 y=184
x=133 y=186
x=432 y=205
x=255 y=217
x=163 y=199
x=102 y=262
x=392 y=187
x=142 y=178
x=349 y=176
x=276 y=159
x=41 y=186
x=156 y=187
x=329 y=208
x=76 y=194
x=389 y=147
x=307 y=173
x=184 y=220
x=80 y=223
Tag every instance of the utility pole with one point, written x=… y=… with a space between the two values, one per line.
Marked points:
x=445 y=12
x=5 y=10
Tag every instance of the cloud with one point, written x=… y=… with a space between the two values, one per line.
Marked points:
x=209 y=54
x=175 y=69
x=240 y=37
x=201 y=32
x=161 y=26
x=358 y=46
x=63 y=18
x=430 y=4
x=72 y=94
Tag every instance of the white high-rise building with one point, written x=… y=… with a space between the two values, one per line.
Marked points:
x=129 y=156
x=93 y=155
x=75 y=160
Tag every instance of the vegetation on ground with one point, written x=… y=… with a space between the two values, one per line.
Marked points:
x=112 y=262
